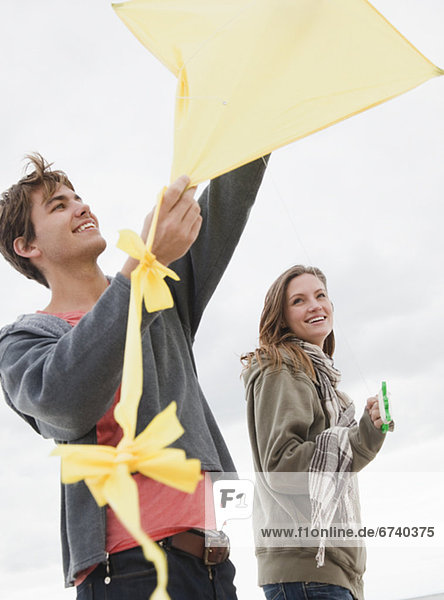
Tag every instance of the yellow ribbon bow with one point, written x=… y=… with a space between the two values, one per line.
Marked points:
x=147 y=279
x=107 y=470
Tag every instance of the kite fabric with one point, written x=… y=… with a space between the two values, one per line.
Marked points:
x=254 y=75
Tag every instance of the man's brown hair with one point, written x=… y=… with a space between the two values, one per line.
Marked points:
x=15 y=212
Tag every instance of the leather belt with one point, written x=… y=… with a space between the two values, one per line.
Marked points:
x=212 y=547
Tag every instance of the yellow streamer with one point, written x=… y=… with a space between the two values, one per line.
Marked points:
x=107 y=470
x=148 y=286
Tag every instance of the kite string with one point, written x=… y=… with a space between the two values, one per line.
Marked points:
x=289 y=215
x=311 y=262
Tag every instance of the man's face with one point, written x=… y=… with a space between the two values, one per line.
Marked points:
x=66 y=231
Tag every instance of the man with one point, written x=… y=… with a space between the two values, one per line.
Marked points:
x=61 y=368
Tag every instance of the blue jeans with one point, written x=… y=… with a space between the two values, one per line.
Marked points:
x=132 y=577
x=306 y=591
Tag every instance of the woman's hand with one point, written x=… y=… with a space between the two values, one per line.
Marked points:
x=373 y=409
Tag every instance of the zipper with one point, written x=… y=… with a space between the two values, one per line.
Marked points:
x=107 y=579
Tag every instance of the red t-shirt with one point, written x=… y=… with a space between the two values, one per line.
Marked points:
x=164 y=510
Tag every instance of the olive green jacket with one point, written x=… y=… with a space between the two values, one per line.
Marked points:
x=285 y=415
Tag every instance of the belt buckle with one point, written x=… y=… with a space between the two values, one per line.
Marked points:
x=217 y=548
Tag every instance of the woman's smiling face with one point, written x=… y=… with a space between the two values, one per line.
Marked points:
x=308 y=311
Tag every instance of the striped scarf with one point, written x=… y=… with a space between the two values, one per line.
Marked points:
x=333 y=490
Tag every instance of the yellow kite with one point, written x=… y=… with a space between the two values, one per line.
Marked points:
x=254 y=75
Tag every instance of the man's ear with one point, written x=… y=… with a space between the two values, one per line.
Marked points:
x=26 y=250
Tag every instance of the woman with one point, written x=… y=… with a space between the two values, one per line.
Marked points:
x=305 y=442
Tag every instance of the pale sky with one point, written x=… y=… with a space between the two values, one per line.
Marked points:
x=362 y=200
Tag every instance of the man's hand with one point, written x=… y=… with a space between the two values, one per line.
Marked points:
x=178 y=225
x=179 y=222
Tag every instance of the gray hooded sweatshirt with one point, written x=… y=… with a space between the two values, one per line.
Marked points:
x=63 y=379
